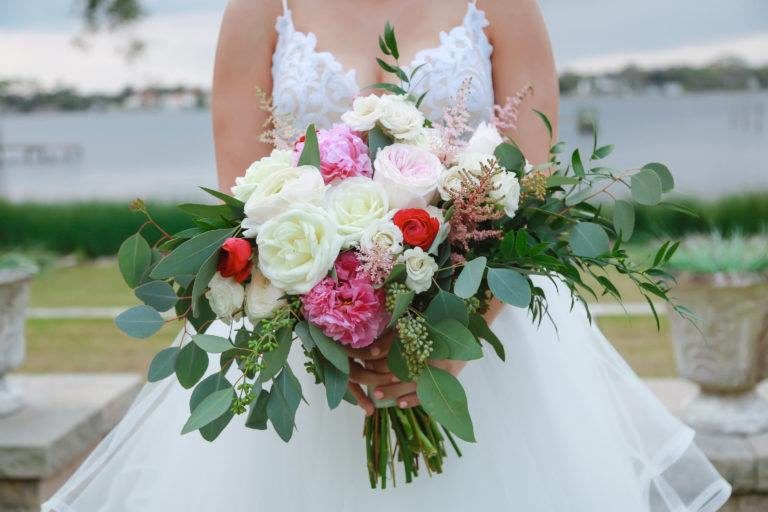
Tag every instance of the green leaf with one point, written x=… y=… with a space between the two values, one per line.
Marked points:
x=396 y=361
x=187 y=258
x=205 y=388
x=391 y=40
x=470 y=278
x=443 y=397
x=545 y=120
x=191 y=365
x=257 y=416
x=646 y=187
x=624 y=219
x=386 y=86
x=209 y=211
x=665 y=176
x=332 y=350
x=283 y=401
x=509 y=157
x=402 y=301
x=275 y=359
x=480 y=328
x=589 y=240
x=139 y=321
x=446 y=305
x=461 y=343
x=392 y=69
x=377 y=139
x=202 y=279
x=421 y=98
x=556 y=180
x=602 y=152
x=226 y=198
x=398 y=274
x=302 y=331
x=163 y=364
x=133 y=259
x=209 y=410
x=310 y=155
x=335 y=384
x=579 y=196
x=578 y=167
x=158 y=294
x=383 y=46
x=212 y=344
x=509 y=286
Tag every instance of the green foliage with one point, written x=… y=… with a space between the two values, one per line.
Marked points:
x=470 y=278
x=442 y=396
x=716 y=253
x=163 y=364
x=139 y=321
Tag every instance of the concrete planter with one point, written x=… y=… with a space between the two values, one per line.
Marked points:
x=14 y=295
x=725 y=352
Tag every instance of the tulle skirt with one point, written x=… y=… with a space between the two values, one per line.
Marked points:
x=563 y=425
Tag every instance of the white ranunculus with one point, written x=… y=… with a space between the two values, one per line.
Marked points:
x=365 y=113
x=282 y=189
x=409 y=174
x=484 y=140
x=298 y=247
x=506 y=191
x=356 y=203
x=419 y=268
x=245 y=185
x=225 y=296
x=400 y=117
x=383 y=233
x=262 y=298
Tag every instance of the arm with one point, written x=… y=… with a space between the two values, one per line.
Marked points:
x=243 y=62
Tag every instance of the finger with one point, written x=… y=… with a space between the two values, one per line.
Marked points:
x=377 y=365
x=394 y=390
x=360 y=375
x=377 y=350
x=363 y=401
x=407 y=401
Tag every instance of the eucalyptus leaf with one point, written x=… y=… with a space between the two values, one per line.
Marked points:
x=257 y=415
x=480 y=328
x=624 y=219
x=602 y=152
x=396 y=361
x=646 y=187
x=310 y=155
x=446 y=305
x=191 y=365
x=158 y=294
x=402 y=302
x=202 y=279
x=470 y=278
x=461 y=343
x=163 y=364
x=665 y=176
x=335 y=384
x=284 y=399
x=139 y=321
x=443 y=397
x=589 y=240
x=557 y=180
x=187 y=258
x=209 y=410
x=509 y=286
x=509 y=157
x=330 y=349
x=302 y=331
x=212 y=344
x=275 y=359
x=205 y=388
x=133 y=259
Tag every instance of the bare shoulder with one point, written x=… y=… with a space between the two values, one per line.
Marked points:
x=249 y=21
x=516 y=20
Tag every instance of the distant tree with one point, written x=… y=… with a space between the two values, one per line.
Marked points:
x=99 y=14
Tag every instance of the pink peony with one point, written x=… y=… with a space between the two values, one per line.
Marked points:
x=343 y=154
x=351 y=311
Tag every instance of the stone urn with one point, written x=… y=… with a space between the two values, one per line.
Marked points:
x=14 y=295
x=725 y=351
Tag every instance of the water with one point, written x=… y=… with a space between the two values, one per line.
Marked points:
x=714 y=143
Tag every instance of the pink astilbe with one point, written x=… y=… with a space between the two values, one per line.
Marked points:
x=376 y=263
x=455 y=123
x=472 y=208
x=505 y=116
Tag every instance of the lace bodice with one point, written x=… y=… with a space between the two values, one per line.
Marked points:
x=313 y=87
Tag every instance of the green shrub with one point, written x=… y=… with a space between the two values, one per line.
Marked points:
x=714 y=253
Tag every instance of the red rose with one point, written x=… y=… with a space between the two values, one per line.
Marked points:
x=418 y=227
x=234 y=259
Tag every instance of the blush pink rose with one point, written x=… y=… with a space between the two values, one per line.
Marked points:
x=343 y=154
x=409 y=174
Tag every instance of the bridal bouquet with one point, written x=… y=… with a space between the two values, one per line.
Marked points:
x=385 y=223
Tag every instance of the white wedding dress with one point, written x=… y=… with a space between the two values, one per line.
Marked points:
x=564 y=425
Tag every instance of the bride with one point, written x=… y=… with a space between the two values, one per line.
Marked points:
x=563 y=425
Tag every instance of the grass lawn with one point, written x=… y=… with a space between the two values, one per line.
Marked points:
x=91 y=284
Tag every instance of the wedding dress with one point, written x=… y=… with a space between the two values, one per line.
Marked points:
x=563 y=425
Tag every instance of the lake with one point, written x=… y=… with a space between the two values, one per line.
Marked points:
x=715 y=145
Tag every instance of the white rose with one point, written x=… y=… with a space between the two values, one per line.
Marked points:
x=419 y=268
x=298 y=247
x=409 y=175
x=262 y=298
x=365 y=113
x=442 y=233
x=450 y=180
x=429 y=139
x=225 y=296
x=356 y=203
x=245 y=185
x=400 y=117
x=506 y=191
x=383 y=233
x=279 y=191
x=472 y=162
x=484 y=140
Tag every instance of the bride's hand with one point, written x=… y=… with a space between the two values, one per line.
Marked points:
x=404 y=393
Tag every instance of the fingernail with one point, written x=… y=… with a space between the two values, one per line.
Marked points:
x=403 y=404
x=378 y=394
x=375 y=351
x=394 y=379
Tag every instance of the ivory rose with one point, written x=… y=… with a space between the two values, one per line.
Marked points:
x=355 y=203
x=262 y=298
x=225 y=296
x=365 y=113
x=245 y=185
x=419 y=268
x=382 y=234
x=297 y=248
x=400 y=117
x=409 y=175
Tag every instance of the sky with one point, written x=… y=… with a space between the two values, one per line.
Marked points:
x=587 y=35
